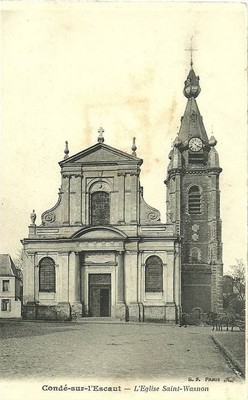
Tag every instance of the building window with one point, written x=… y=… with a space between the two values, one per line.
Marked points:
x=194 y=200
x=5 y=305
x=154 y=274
x=100 y=208
x=47 y=275
x=6 y=286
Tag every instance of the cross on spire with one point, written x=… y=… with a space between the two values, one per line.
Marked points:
x=191 y=49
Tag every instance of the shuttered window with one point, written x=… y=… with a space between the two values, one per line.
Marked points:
x=47 y=275
x=5 y=305
x=194 y=200
x=154 y=274
x=100 y=208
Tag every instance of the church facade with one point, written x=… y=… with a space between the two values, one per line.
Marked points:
x=102 y=251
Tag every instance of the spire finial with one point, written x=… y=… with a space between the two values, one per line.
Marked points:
x=100 y=137
x=191 y=49
x=66 y=151
x=191 y=85
x=134 y=147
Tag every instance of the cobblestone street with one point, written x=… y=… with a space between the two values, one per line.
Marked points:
x=110 y=350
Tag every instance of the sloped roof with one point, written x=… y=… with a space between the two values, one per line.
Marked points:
x=101 y=153
x=7 y=267
x=192 y=124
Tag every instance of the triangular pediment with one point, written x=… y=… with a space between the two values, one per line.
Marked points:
x=101 y=153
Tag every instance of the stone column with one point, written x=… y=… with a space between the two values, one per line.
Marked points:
x=29 y=280
x=74 y=285
x=131 y=277
x=121 y=197
x=66 y=199
x=63 y=308
x=36 y=282
x=170 y=304
x=75 y=194
x=120 y=310
x=29 y=306
x=134 y=197
x=78 y=200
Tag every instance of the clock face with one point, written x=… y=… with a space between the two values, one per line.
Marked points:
x=195 y=144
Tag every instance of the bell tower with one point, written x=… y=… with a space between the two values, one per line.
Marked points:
x=193 y=205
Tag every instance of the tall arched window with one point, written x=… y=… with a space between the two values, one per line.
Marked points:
x=100 y=208
x=154 y=274
x=194 y=201
x=47 y=275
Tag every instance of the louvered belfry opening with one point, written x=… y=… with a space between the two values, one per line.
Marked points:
x=194 y=200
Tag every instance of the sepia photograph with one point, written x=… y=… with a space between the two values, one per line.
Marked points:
x=123 y=252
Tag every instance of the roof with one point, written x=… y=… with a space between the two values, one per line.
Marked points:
x=192 y=124
x=101 y=153
x=7 y=266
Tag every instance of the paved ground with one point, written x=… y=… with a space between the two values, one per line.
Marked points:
x=233 y=345
x=124 y=350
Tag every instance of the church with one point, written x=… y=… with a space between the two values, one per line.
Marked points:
x=102 y=251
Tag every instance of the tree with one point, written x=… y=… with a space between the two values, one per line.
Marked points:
x=237 y=272
x=18 y=261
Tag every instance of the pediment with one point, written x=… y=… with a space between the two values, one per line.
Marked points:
x=101 y=153
x=99 y=233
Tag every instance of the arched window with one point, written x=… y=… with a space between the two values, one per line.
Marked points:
x=194 y=200
x=100 y=208
x=154 y=274
x=46 y=275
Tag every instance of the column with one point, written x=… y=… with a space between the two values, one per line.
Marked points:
x=78 y=200
x=36 y=282
x=170 y=305
x=63 y=270
x=29 y=307
x=131 y=277
x=28 y=277
x=74 y=285
x=120 y=308
x=134 y=197
x=66 y=199
x=75 y=199
x=63 y=307
x=120 y=277
x=121 y=197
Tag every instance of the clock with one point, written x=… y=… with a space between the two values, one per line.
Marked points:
x=195 y=144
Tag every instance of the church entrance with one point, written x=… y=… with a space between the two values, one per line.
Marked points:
x=100 y=295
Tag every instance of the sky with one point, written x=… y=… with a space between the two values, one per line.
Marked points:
x=67 y=69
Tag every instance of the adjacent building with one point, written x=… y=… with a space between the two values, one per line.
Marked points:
x=10 y=288
x=102 y=251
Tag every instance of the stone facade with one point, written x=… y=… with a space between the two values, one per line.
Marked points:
x=97 y=241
